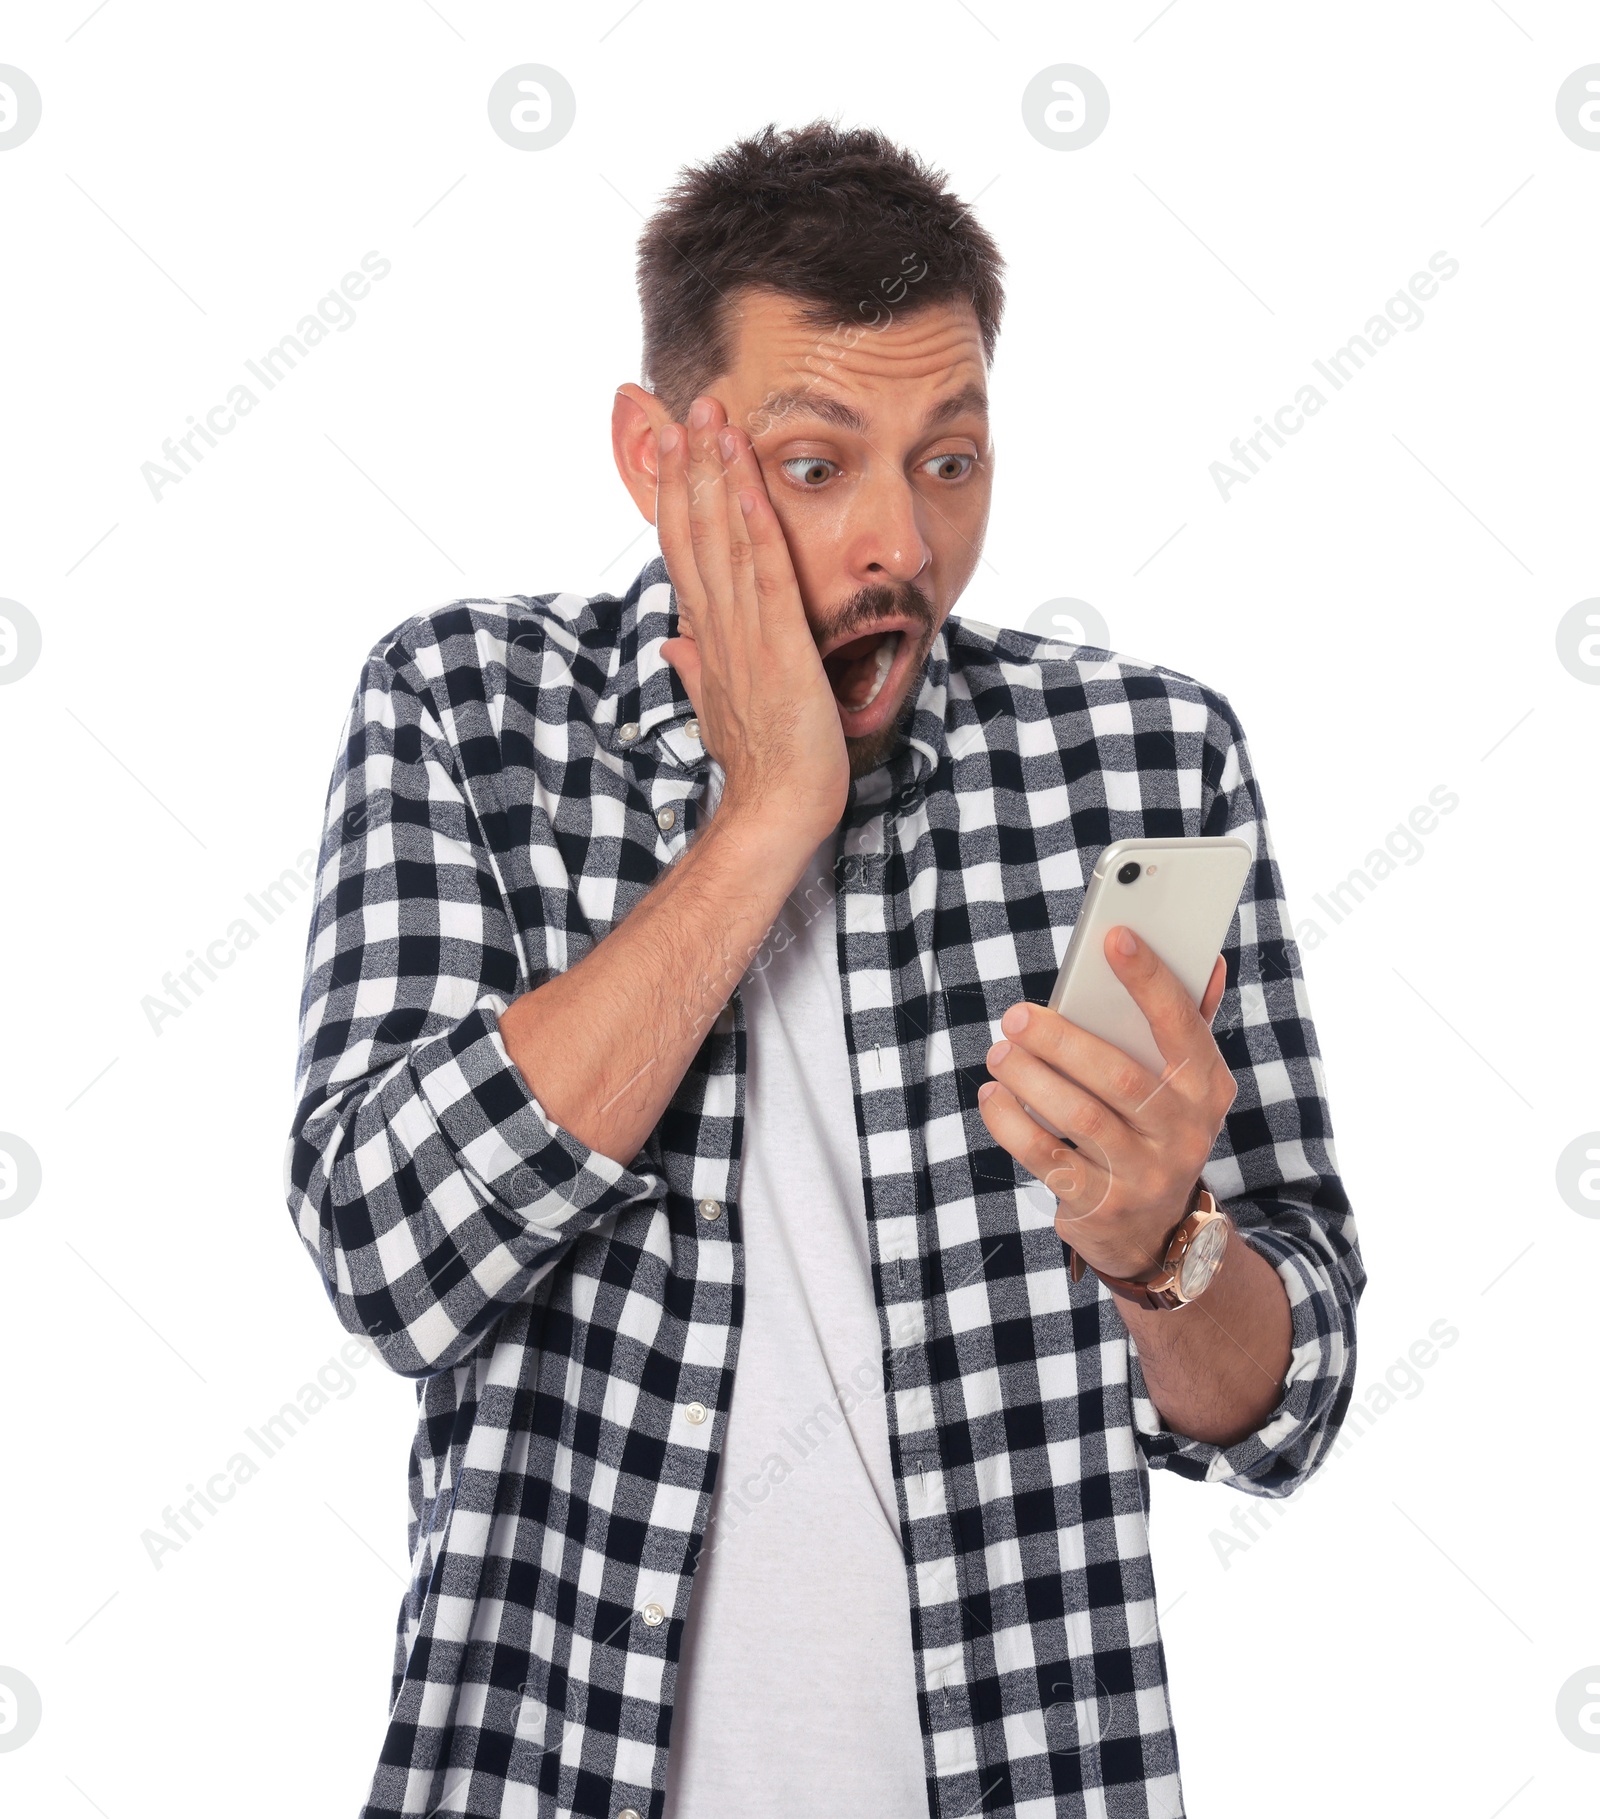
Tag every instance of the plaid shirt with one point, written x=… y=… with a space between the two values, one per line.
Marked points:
x=514 y=776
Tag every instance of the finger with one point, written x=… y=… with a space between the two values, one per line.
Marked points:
x=741 y=551
x=708 y=508
x=776 y=590
x=1098 y=1066
x=672 y=521
x=1169 y=1010
x=1215 y=987
x=732 y=445
x=1048 y=1094
x=1079 y=1178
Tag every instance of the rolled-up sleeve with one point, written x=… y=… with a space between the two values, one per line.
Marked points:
x=1273 y=1167
x=425 y=1179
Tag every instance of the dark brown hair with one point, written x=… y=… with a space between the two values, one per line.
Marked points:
x=851 y=226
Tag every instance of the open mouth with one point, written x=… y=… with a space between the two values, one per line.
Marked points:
x=858 y=670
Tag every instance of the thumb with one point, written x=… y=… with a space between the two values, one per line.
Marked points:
x=684 y=656
x=1215 y=987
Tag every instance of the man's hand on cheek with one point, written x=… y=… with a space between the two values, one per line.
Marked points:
x=745 y=652
x=1141 y=1138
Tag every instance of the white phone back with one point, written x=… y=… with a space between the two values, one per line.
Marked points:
x=1181 y=904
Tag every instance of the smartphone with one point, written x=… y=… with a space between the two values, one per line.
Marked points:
x=1178 y=896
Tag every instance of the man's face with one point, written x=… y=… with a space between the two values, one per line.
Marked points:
x=874 y=443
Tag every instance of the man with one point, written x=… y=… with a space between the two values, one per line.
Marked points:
x=673 y=999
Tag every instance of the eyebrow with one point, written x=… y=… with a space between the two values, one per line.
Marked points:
x=829 y=409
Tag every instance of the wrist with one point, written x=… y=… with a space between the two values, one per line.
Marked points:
x=1132 y=1243
x=769 y=835
x=1189 y=1260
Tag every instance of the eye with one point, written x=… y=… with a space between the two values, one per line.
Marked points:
x=940 y=465
x=812 y=470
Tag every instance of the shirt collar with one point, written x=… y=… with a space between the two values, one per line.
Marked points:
x=644 y=704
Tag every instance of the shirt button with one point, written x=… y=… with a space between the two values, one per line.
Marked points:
x=629 y=1812
x=654 y=1615
x=666 y=819
x=695 y=1412
x=629 y=732
x=710 y=1209
x=692 y=728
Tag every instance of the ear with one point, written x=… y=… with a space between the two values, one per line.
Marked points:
x=636 y=415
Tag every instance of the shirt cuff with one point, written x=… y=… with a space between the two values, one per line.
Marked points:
x=1281 y=1453
x=505 y=1141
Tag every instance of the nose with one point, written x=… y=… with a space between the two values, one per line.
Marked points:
x=888 y=543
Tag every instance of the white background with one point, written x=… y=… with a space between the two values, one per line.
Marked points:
x=1380 y=604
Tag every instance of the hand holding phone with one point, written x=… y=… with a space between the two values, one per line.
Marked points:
x=1137 y=1136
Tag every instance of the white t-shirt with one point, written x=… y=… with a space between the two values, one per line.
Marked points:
x=796 y=1692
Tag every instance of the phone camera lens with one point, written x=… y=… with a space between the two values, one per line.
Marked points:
x=1127 y=873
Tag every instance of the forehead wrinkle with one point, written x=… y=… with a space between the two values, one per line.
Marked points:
x=924 y=342
x=872 y=358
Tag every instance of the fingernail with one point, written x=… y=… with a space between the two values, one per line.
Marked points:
x=1015 y=1021
x=667 y=437
x=1127 y=943
x=985 y=1090
x=998 y=1053
x=699 y=413
x=726 y=443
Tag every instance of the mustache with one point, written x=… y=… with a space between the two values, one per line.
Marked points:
x=879 y=601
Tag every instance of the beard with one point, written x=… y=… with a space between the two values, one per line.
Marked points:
x=860 y=613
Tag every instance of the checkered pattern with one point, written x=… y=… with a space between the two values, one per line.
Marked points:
x=487 y=823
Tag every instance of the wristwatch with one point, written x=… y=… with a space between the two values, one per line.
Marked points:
x=1193 y=1256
